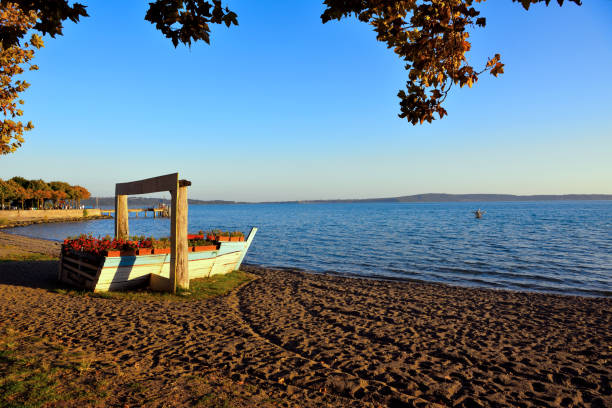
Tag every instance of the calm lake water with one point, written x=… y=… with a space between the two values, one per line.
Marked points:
x=563 y=247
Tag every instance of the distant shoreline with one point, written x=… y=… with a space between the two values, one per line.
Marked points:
x=418 y=198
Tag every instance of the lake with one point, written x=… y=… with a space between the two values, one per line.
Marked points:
x=558 y=246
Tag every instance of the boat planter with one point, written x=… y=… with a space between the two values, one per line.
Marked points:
x=203 y=248
x=128 y=252
x=222 y=238
x=236 y=239
x=102 y=273
x=113 y=253
x=144 y=251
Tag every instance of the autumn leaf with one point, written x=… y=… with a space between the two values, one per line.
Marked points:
x=431 y=37
x=13 y=58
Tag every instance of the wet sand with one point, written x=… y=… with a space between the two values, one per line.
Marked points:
x=321 y=340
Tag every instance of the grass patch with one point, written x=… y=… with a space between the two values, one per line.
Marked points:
x=12 y=253
x=25 y=257
x=200 y=289
x=28 y=379
x=218 y=285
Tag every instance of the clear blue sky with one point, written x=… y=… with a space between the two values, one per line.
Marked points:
x=283 y=107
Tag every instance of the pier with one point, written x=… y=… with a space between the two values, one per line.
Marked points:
x=163 y=212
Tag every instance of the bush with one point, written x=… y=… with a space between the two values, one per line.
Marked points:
x=85 y=213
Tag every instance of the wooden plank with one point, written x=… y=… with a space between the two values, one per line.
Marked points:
x=93 y=284
x=167 y=182
x=122 y=229
x=82 y=273
x=182 y=257
x=136 y=260
x=247 y=244
x=60 y=270
x=121 y=285
x=219 y=268
x=196 y=256
x=227 y=247
x=71 y=281
x=124 y=275
x=200 y=268
x=79 y=262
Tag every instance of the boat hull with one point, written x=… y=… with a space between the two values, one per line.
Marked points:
x=125 y=272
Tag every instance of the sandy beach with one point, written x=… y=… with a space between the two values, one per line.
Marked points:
x=304 y=339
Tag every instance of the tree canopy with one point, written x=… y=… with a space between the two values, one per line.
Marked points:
x=13 y=55
x=37 y=192
x=430 y=36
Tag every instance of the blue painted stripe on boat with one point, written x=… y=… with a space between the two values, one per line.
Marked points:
x=143 y=260
x=136 y=260
x=227 y=247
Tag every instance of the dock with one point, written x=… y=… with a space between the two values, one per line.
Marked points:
x=157 y=212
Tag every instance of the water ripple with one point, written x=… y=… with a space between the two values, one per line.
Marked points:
x=562 y=247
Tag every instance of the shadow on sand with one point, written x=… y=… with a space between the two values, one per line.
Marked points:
x=31 y=274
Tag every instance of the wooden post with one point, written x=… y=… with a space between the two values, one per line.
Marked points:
x=179 y=257
x=182 y=256
x=173 y=237
x=122 y=229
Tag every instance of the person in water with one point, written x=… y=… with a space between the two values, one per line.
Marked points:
x=479 y=213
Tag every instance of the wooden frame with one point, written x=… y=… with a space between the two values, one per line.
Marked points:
x=179 y=269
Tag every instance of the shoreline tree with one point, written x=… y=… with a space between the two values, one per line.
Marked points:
x=430 y=36
x=37 y=193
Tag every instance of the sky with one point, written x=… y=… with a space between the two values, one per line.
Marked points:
x=284 y=107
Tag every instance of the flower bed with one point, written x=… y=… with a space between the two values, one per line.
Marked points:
x=90 y=246
x=94 y=248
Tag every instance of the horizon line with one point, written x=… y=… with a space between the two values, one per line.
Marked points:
x=433 y=196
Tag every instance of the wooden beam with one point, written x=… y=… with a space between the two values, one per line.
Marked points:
x=182 y=260
x=122 y=229
x=173 y=235
x=151 y=185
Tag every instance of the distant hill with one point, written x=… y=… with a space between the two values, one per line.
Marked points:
x=141 y=202
x=442 y=198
